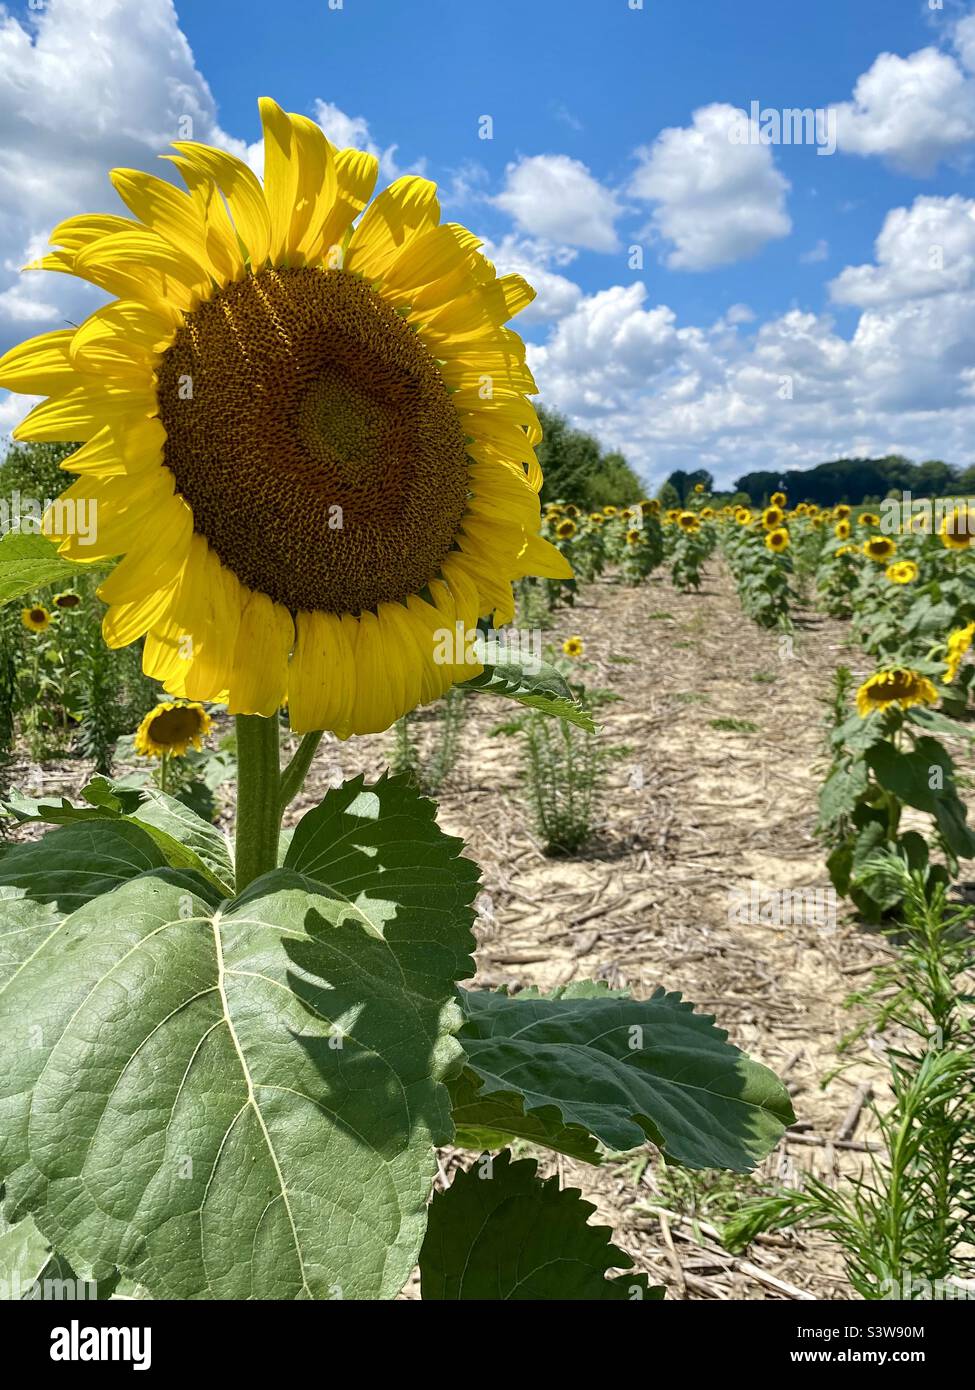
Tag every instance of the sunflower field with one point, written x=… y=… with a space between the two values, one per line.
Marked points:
x=413 y=889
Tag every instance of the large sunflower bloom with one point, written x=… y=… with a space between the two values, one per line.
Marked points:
x=898 y=686
x=171 y=728
x=287 y=432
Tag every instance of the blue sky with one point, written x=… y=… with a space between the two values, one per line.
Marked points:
x=789 y=307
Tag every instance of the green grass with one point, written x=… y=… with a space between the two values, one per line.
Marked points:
x=691 y=697
x=734 y=726
x=764 y=678
x=668 y=616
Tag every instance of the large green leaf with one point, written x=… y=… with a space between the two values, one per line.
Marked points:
x=29 y=561
x=237 y=1100
x=500 y=1233
x=186 y=840
x=623 y=1070
x=542 y=689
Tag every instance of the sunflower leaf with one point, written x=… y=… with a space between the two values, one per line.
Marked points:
x=187 y=841
x=498 y=1233
x=541 y=687
x=28 y=562
x=234 y=1100
x=623 y=1070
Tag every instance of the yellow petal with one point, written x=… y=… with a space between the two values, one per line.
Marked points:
x=280 y=177
x=317 y=189
x=167 y=211
x=402 y=211
x=114 y=451
x=40 y=366
x=242 y=191
x=322 y=678
x=355 y=177
x=155 y=564
x=82 y=411
x=259 y=677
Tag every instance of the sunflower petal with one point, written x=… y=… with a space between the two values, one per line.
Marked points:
x=390 y=223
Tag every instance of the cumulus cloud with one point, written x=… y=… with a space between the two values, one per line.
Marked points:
x=344 y=130
x=557 y=198
x=913 y=112
x=795 y=390
x=716 y=201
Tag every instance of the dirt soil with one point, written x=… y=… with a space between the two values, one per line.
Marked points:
x=693 y=812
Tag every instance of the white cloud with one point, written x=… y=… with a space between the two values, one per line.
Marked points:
x=926 y=249
x=556 y=198
x=964 y=39
x=716 y=201
x=913 y=112
x=817 y=253
x=795 y=391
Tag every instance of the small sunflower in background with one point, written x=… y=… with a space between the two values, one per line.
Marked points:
x=650 y=506
x=571 y=510
x=634 y=536
x=898 y=686
x=778 y=539
x=596 y=518
x=868 y=519
x=841 y=512
x=772 y=517
x=743 y=516
x=566 y=529
x=707 y=513
x=958 y=644
x=687 y=521
x=170 y=729
x=672 y=514
x=847 y=550
x=609 y=511
x=842 y=530
x=879 y=548
x=36 y=619
x=69 y=599
x=777 y=500
x=573 y=647
x=902 y=572
x=699 y=488
x=958 y=528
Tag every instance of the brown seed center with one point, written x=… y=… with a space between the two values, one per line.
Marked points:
x=311 y=433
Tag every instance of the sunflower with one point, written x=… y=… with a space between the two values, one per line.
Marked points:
x=902 y=572
x=777 y=500
x=571 y=510
x=170 y=729
x=841 y=512
x=772 y=517
x=650 y=506
x=69 y=599
x=846 y=550
x=958 y=644
x=777 y=539
x=672 y=514
x=634 y=536
x=596 y=518
x=698 y=487
x=687 y=521
x=958 y=528
x=879 y=548
x=36 y=619
x=610 y=511
x=842 y=530
x=897 y=686
x=285 y=430
x=707 y=513
x=743 y=516
x=868 y=519
x=573 y=646
x=566 y=529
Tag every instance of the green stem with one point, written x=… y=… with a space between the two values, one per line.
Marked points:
x=293 y=776
x=163 y=770
x=258 y=797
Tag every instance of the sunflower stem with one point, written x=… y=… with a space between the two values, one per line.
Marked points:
x=258 y=797
x=293 y=776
